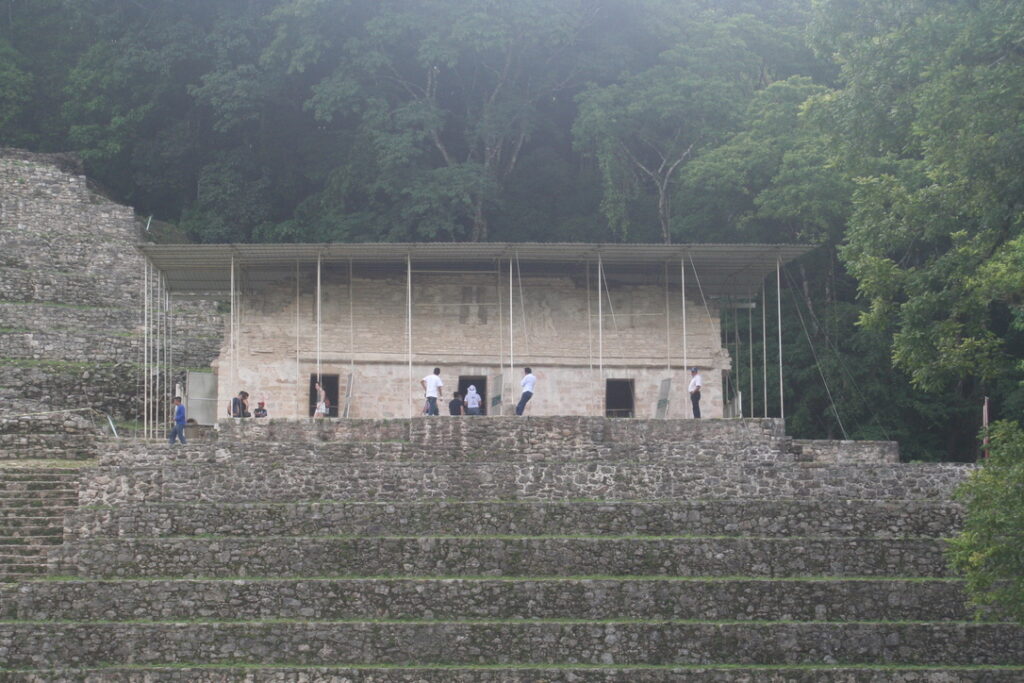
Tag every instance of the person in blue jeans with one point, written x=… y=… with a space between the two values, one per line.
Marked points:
x=527 y=383
x=178 y=426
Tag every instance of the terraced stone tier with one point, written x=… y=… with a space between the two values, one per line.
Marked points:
x=566 y=674
x=33 y=502
x=372 y=481
x=500 y=556
x=46 y=644
x=521 y=598
x=335 y=452
x=881 y=519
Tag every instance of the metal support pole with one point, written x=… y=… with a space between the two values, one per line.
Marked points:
x=590 y=324
x=736 y=360
x=750 y=352
x=600 y=315
x=668 y=325
x=764 y=345
x=158 y=349
x=231 y=315
x=298 y=365
x=686 y=357
x=145 y=350
x=778 y=295
x=319 y=379
x=408 y=318
x=511 y=321
x=351 y=319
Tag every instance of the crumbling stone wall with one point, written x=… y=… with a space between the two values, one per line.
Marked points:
x=71 y=292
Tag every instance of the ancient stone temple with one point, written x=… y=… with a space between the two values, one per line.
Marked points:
x=608 y=329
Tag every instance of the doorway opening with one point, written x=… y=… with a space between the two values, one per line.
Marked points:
x=330 y=386
x=478 y=381
x=618 y=398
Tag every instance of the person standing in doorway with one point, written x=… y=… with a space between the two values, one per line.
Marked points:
x=527 y=383
x=695 y=384
x=473 y=400
x=178 y=425
x=432 y=390
x=321 y=401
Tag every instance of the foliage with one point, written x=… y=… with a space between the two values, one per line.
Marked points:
x=988 y=550
x=931 y=123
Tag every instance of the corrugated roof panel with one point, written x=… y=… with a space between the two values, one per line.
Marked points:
x=719 y=269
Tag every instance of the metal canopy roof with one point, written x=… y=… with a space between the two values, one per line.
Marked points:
x=723 y=270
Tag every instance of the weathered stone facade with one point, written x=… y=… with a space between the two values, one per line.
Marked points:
x=71 y=295
x=460 y=323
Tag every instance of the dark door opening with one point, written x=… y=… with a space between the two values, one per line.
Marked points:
x=480 y=382
x=330 y=386
x=618 y=398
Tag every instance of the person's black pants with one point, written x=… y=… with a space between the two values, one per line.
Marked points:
x=695 y=400
x=523 y=400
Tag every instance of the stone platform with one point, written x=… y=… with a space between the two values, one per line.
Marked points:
x=503 y=549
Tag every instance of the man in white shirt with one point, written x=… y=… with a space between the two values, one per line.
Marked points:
x=695 y=385
x=527 y=384
x=432 y=390
x=473 y=400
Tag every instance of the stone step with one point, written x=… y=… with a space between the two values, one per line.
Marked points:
x=500 y=556
x=30 y=486
x=520 y=598
x=274 y=453
x=7 y=541
x=371 y=481
x=14 y=474
x=700 y=673
x=13 y=499
x=887 y=519
x=49 y=644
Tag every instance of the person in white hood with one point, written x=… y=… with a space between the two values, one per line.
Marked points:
x=472 y=400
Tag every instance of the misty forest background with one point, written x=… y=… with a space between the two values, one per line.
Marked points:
x=889 y=132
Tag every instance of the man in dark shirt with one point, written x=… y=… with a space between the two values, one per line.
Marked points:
x=456 y=406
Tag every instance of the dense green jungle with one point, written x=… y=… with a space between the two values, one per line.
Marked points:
x=890 y=133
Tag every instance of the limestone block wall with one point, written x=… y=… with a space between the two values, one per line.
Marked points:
x=848 y=452
x=71 y=293
x=460 y=323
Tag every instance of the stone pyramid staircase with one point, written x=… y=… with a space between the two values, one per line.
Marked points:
x=503 y=549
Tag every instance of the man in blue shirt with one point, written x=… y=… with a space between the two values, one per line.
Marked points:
x=178 y=426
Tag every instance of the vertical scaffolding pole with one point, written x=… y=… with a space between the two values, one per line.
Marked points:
x=408 y=319
x=736 y=361
x=668 y=324
x=298 y=366
x=750 y=352
x=145 y=349
x=158 y=352
x=231 y=316
x=501 y=327
x=170 y=352
x=778 y=296
x=764 y=345
x=511 y=321
x=351 y=319
x=600 y=315
x=686 y=357
x=319 y=261
x=590 y=324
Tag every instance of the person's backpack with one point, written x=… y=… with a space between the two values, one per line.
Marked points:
x=236 y=407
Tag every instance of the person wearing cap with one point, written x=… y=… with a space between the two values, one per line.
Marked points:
x=260 y=411
x=695 y=384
